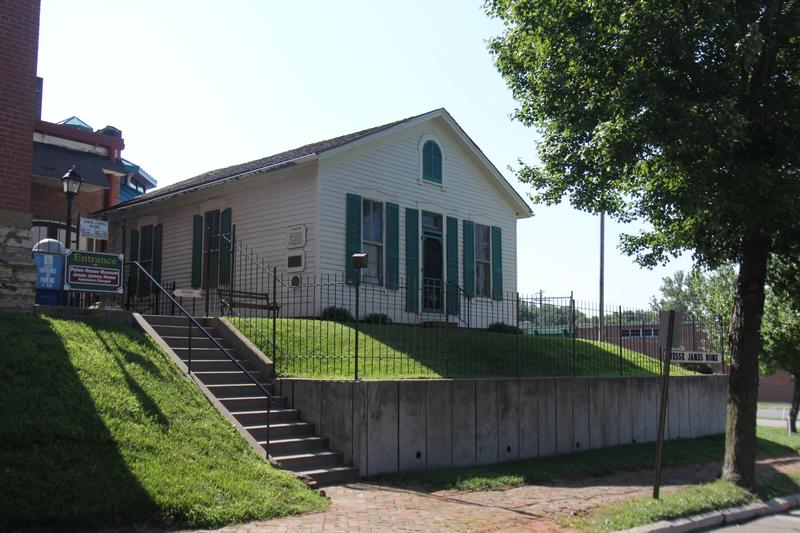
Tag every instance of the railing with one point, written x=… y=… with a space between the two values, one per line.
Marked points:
x=192 y=321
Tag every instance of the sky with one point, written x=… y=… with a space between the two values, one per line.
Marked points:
x=198 y=85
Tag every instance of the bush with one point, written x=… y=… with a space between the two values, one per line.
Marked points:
x=336 y=314
x=502 y=327
x=377 y=318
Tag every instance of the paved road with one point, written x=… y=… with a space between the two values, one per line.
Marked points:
x=789 y=521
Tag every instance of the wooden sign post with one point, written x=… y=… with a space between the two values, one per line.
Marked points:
x=668 y=338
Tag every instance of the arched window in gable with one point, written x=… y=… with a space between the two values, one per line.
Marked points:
x=432 y=162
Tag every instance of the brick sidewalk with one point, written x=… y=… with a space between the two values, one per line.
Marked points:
x=381 y=507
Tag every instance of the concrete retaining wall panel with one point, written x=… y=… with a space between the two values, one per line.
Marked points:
x=694 y=395
x=413 y=425
x=580 y=415
x=508 y=419
x=548 y=425
x=652 y=401
x=439 y=423
x=565 y=435
x=486 y=421
x=638 y=405
x=337 y=417
x=308 y=398
x=463 y=423
x=673 y=429
x=528 y=418
x=683 y=386
x=611 y=396
x=361 y=427
x=382 y=434
x=596 y=404
x=625 y=411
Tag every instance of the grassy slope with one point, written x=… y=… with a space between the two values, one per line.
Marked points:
x=99 y=428
x=771 y=442
x=318 y=348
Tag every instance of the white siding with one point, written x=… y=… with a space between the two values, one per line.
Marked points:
x=262 y=208
x=388 y=169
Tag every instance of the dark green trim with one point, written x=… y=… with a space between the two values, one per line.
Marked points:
x=197 y=251
x=353 y=234
x=392 y=246
x=412 y=260
x=451 y=237
x=225 y=220
x=497 y=263
x=133 y=274
x=158 y=237
x=469 y=257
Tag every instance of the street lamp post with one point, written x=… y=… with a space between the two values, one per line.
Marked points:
x=71 y=182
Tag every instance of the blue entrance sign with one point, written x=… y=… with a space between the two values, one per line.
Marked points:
x=49 y=271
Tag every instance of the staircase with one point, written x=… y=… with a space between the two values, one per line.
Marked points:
x=293 y=444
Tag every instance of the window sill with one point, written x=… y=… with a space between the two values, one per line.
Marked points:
x=440 y=186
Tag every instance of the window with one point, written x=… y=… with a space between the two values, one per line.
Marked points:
x=211 y=250
x=483 y=261
x=372 y=237
x=145 y=255
x=432 y=162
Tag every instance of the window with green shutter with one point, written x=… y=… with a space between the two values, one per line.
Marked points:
x=412 y=260
x=197 y=251
x=451 y=237
x=469 y=257
x=432 y=162
x=352 y=234
x=225 y=247
x=497 y=263
x=392 y=246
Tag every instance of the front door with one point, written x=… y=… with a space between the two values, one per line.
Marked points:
x=432 y=263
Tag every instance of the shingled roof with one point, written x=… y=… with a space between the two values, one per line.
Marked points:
x=273 y=162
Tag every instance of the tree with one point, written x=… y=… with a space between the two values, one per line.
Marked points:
x=683 y=114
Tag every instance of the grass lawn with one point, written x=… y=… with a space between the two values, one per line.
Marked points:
x=100 y=429
x=771 y=442
x=325 y=349
x=712 y=496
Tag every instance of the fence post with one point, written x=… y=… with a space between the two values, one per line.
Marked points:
x=232 y=280
x=358 y=294
x=574 y=329
x=619 y=338
x=189 y=344
x=446 y=327
x=519 y=332
x=721 y=342
x=124 y=255
x=207 y=272
x=274 y=317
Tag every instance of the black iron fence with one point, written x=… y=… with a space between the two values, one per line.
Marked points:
x=329 y=325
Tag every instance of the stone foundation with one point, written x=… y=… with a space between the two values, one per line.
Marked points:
x=17 y=269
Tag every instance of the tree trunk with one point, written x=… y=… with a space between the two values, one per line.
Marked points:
x=795 y=405
x=745 y=342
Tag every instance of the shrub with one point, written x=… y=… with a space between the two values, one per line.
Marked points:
x=502 y=327
x=377 y=318
x=336 y=314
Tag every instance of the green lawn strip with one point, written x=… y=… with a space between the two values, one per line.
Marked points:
x=771 y=442
x=100 y=429
x=703 y=498
x=326 y=349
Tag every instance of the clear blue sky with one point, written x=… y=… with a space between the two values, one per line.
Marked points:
x=197 y=85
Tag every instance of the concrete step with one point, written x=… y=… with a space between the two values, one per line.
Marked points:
x=237 y=390
x=181 y=330
x=233 y=377
x=281 y=430
x=256 y=418
x=215 y=365
x=296 y=445
x=175 y=320
x=308 y=461
x=201 y=341
x=253 y=403
x=332 y=475
x=204 y=355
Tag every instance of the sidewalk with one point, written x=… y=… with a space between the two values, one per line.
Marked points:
x=381 y=507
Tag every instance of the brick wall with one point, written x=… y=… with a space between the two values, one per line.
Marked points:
x=777 y=387
x=50 y=201
x=19 y=33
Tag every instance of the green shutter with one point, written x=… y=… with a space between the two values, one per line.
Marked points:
x=469 y=257
x=412 y=260
x=452 y=266
x=437 y=163
x=225 y=247
x=197 y=252
x=431 y=162
x=133 y=274
x=497 y=264
x=392 y=246
x=158 y=231
x=353 y=234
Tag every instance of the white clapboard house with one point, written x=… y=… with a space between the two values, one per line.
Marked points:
x=417 y=195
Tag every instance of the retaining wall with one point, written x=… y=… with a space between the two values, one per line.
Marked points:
x=391 y=426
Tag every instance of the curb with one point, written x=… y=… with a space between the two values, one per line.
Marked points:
x=732 y=515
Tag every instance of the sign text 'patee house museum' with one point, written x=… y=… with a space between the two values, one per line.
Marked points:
x=93 y=271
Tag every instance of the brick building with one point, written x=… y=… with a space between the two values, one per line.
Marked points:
x=34 y=154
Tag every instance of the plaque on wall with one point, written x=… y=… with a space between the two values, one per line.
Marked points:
x=296 y=237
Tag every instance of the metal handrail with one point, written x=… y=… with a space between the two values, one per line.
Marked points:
x=208 y=335
x=467 y=296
